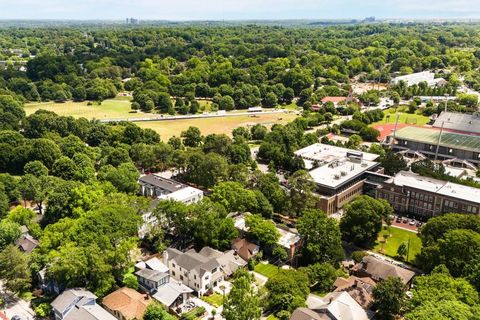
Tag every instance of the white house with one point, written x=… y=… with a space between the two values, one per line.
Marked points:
x=203 y=270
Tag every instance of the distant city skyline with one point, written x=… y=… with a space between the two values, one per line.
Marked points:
x=238 y=9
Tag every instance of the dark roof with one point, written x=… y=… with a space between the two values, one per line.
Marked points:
x=27 y=243
x=162 y=183
x=306 y=314
x=381 y=270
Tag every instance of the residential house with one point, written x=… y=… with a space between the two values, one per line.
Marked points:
x=153 y=263
x=334 y=306
x=173 y=294
x=379 y=270
x=244 y=248
x=151 y=280
x=203 y=270
x=26 y=243
x=360 y=289
x=289 y=238
x=155 y=186
x=79 y=304
x=334 y=100
x=126 y=303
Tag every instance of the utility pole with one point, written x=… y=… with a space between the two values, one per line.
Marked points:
x=438 y=141
x=395 y=128
x=446 y=102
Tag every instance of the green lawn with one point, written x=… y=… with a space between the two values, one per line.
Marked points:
x=272 y=317
x=397 y=237
x=116 y=108
x=268 y=270
x=215 y=299
x=391 y=117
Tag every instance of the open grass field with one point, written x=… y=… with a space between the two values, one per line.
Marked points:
x=168 y=129
x=396 y=237
x=266 y=269
x=405 y=118
x=109 y=109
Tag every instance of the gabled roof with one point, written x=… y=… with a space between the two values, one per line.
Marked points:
x=382 y=270
x=244 y=248
x=168 y=293
x=343 y=307
x=306 y=314
x=151 y=275
x=360 y=289
x=27 y=243
x=130 y=303
x=83 y=308
x=64 y=300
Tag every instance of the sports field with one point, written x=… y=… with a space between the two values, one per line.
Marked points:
x=168 y=129
x=449 y=139
x=403 y=117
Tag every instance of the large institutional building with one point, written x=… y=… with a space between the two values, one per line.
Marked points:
x=409 y=192
x=339 y=173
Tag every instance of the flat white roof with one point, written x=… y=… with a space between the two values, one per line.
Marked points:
x=454 y=190
x=335 y=165
x=410 y=179
x=460 y=191
x=182 y=194
x=287 y=238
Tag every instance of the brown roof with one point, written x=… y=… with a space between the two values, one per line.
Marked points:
x=306 y=314
x=334 y=99
x=360 y=289
x=130 y=303
x=382 y=270
x=244 y=248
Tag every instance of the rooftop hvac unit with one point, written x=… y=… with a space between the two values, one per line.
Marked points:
x=337 y=176
x=343 y=173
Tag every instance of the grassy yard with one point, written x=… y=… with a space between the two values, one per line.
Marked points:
x=268 y=270
x=396 y=237
x=109 y=109
x=391 y=117
x=272 y=317
x=215 y=299
x=167 y=129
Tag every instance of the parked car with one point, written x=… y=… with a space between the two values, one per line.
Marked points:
x=405 y=220
x=399 y=219
x=412 y=222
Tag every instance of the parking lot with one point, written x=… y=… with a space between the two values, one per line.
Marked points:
x=406 y=223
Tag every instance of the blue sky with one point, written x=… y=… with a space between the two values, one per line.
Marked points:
x=236 y=9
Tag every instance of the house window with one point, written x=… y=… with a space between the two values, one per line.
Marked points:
x=173 y=264
x=195 y=277
x=173 y=273
x=181 y=277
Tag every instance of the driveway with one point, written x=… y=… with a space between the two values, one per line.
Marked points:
x=15 y=306
x=208 y=307
x=259 y=279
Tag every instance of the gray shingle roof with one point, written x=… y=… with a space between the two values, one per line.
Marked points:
x=151 y=275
